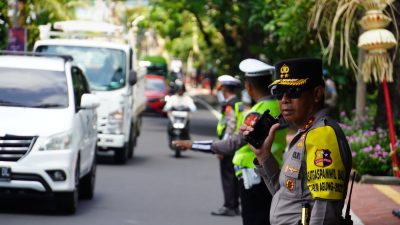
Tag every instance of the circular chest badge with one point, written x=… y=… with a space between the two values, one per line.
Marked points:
x=290 y=185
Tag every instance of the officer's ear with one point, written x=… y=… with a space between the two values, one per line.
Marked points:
x=319 y=93
x=250 y=88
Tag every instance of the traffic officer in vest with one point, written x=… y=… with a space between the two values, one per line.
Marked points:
x=317 y=164
x=228 y=125
x=255 y=198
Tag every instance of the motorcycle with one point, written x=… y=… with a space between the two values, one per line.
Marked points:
x=178 y=127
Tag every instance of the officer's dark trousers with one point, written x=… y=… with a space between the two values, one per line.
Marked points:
x=230 y=184
x=256 y=203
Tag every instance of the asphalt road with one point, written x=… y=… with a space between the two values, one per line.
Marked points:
x=154 y=188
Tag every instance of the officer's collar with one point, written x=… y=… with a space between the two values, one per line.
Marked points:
x=316 y=117
x=230 y=98
x=265 y=98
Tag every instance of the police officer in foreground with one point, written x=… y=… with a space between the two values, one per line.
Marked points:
x=228 y=125
x=317 y=163
x=255 y=198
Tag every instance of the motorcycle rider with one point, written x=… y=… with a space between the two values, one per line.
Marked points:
x=179 y=99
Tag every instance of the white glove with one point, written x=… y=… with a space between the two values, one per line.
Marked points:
x=250 y=178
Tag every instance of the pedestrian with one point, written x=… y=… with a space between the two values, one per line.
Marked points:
x=330 y=93
x=317 y=163
x=254 y=196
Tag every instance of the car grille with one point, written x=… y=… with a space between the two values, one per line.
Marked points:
x=102 y=125
x=13 y=148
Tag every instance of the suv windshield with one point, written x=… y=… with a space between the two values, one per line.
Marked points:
x=155 y=85
x=33 y=88
x=104 y=68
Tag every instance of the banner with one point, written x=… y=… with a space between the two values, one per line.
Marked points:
x=16 y=39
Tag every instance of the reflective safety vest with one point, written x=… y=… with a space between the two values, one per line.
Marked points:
x=244 y=157
x=238 y=109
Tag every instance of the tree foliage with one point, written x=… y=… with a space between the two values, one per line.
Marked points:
x=40 y=12
x=4 y=24
x=230 y=31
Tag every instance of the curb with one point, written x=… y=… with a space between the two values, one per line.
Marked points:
x=368 y=179
x=208 y=106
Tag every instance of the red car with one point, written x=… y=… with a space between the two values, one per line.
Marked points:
x=155 y=92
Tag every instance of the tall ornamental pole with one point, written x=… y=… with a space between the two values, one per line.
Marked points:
x=378 y=66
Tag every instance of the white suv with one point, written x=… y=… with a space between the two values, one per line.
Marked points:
x=48 y=130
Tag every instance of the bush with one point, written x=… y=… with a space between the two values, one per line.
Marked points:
x=370 y=146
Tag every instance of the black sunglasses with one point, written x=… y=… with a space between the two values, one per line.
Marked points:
x=290 y=92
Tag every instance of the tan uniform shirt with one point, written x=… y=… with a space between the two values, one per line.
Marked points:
x=323 y=185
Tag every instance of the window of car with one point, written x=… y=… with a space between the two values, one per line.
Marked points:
x=33 y=88
x=155 y=85
x=80 y=85
x=105 y=68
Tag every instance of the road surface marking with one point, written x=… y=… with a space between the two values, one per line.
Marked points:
x=389 y=192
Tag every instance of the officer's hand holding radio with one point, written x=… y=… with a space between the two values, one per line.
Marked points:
x=259 y=132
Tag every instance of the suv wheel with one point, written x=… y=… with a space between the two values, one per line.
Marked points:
x=86 y=188
x=132 y=141
x=68 y=201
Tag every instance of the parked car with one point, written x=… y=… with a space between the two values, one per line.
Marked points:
x=156 y=91
x=109 y=64
x=48 y=130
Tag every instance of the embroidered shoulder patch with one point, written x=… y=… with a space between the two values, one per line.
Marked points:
x=322 y=158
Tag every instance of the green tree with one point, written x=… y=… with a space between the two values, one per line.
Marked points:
x=4 y=24
x=40 y=12
x=231 y=31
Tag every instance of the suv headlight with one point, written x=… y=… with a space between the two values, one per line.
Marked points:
x=115 y=122
x=58 y=141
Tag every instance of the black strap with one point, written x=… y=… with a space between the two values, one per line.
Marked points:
x=347 y=217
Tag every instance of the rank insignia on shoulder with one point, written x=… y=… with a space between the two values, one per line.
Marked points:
x=323 y=158
x=308 y=124
x=290 y=184
x=299 y=144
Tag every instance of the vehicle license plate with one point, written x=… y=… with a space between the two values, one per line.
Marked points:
x=5 y=173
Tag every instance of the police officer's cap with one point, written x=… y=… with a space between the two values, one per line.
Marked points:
x=255 y=68
x=299 y=72
x=228 y=80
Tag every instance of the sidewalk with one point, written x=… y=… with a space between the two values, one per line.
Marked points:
x=374 y=203
x=371 y=204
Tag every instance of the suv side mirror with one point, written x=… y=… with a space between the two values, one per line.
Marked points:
x=132 y=77
x=89 y=101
